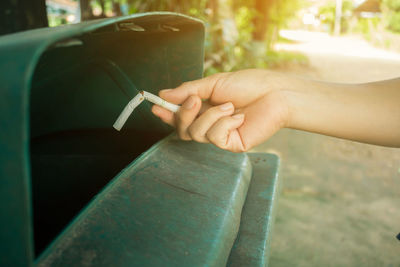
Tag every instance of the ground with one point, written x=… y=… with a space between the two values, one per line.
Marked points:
x=340 y=200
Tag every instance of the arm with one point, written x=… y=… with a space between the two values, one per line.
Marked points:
x=259 y=103
x=368 y=113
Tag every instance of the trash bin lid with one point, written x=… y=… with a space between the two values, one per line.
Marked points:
x=147 y=51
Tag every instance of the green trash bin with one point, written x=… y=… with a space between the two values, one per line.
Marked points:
x=75 y=192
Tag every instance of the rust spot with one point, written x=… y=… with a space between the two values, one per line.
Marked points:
x=141 y=92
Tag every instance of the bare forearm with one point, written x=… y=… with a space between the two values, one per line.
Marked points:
x=247 y=107
x=368 y=113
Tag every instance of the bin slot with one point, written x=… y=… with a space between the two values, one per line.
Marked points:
x=74 y=150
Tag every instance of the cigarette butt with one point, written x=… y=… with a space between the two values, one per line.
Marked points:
x=159 y=101
x=135 y=102
x=123 y=117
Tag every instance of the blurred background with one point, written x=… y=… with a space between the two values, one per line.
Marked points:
x=241 y=33
x=340 y=201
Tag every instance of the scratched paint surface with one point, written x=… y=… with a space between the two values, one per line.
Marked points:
x=252 y=246
x=52 y=86
x=179 y=204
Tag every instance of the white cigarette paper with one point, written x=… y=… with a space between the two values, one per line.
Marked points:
x=159 y=101
x=135 y=102
x=123 y=117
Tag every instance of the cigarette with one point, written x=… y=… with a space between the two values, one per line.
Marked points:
x=159 y=101
x=135 y=102
x=123 y=117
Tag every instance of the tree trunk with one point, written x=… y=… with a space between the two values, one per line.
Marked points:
x=103 y=7
x=86 y=10
x=216 y=30
x=116 y=6
x=261 y=19
x=20 y=15
x=338 y=17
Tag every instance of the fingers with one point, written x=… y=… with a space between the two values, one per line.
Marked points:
x=264 y=118
x=186 y=115
x=215 y=125
x=198 y=129
x=169 y=117
x=224 y=133
x=164 y=114
x=202 y=88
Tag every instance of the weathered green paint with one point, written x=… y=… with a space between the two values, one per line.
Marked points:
x=51 y=83
x=179 y=204
x=70 y=168
x=22 y=15
x=252 y=246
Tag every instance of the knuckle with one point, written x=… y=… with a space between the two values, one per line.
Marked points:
x=182 y=118
x=240 y=150
x=194 y=134
x=214 y=112
x=184 y=137
x=185 y=84
x=214 y=139
x=225 y=122
x=243 y=148
x=210 y=136
x=182 y=134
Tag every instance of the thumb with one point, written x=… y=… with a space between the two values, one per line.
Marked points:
x=202 y=88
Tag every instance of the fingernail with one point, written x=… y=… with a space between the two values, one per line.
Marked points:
x=226 y=106
x=189 y=104
x=238 y=116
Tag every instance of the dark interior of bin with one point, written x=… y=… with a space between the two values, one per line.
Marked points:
x=79 y=88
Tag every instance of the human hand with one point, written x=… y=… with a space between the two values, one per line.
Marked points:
x=239 y=110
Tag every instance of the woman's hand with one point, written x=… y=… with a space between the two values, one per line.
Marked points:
x=244 y=108
x=234 y=111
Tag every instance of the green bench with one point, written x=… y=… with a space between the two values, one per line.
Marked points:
x=75 y=192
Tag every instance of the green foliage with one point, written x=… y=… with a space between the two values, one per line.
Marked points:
x=228 y=56
x=244 y=52
x=282 y=11
x=188 y=7
x=55 y=21
x=394 y=22
x=366 y=26
x=392 y=14
x=284 y=59
x=327 y=14
x=393 y=5
x=229 y=43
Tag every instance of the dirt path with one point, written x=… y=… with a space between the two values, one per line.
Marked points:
x=340 y=201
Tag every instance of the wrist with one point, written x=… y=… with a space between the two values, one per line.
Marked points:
x=291 y=93
x=292 y=100
x=278 y=102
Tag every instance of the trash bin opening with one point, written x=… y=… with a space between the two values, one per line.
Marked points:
x=76 y=96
